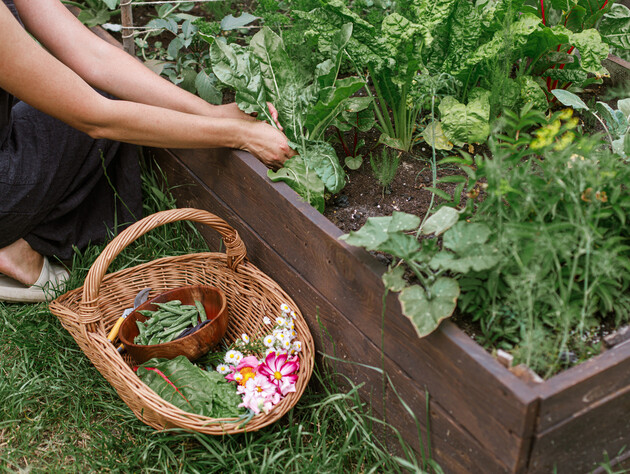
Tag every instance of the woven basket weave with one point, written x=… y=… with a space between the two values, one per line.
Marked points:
x=89 y=312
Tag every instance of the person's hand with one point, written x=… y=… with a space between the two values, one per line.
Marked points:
x=268 y=144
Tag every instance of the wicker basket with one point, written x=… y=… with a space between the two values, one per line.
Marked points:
x=89 y=312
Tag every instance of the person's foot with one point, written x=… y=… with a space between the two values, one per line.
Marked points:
x=20 y=262
x=28 y=277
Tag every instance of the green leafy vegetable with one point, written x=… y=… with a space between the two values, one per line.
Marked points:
x=307 y=105
x=466 y=123
x=190 y=388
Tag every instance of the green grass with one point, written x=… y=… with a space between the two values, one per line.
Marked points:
x=58 y=414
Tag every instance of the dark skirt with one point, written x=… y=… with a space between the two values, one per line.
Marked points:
x=60 y=188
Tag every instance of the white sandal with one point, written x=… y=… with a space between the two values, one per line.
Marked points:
x=47 y=286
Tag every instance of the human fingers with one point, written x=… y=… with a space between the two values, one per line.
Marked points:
x=274 y=115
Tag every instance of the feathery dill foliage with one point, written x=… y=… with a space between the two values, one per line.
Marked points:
x=384 y=166
x=58 y=414
x=557 y=203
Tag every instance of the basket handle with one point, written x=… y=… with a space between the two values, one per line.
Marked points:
x=235 y=250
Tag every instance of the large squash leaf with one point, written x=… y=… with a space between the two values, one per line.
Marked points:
x=427 y=308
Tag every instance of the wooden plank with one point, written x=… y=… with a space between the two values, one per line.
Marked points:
x=574 y=390
x=577 y=444
x=619 y=70
x=490 y=402
x=454 y=448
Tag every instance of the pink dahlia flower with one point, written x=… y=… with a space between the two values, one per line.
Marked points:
x=246 y=368
x=258 y=394
x=281 y=371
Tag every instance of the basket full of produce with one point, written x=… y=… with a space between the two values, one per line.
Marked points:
x=217 y=347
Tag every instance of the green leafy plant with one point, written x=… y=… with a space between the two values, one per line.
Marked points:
x=615 y=29
x=194 y=390
x=357 y=116
x=615 y=122
x=581 y=18
x=429 y=295
x=391 y=54
x=556 y=204
x=384 y=167
x=96 y=12
x=307 y=104
x=185 y=59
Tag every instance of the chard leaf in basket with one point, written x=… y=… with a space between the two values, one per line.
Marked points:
x=190 y=388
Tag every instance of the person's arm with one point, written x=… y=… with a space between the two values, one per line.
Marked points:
x=106 y=67
x=33 y=75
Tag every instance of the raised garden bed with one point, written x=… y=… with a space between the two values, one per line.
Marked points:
x=481 y=417
x=478 y=415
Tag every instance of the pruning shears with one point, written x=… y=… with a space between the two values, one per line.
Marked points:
x=140 y=298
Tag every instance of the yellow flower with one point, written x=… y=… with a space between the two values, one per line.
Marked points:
x=564 y=141
x=566 y=114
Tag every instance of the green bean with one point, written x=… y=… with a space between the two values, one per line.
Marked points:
x=168 y=321
x=202 y=311
x=175 y=309
x=175 y=330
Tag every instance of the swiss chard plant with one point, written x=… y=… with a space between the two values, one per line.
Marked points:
x=390 y=54
x=307 y=104
x=581 y=18
x=500 y=52
x=507 y=46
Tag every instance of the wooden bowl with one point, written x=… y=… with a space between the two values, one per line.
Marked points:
x=192 y=346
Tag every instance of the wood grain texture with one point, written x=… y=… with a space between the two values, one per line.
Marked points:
x=494 y=406
x=577 y=444
x=574 y=390
x=471 y=394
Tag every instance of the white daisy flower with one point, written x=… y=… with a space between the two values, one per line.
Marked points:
x=286 y=345
x=297 y=346
x=285 y=308
x=245 y=338
x=238 y=376
x=291 y=324
x=266 y=320
x=232 y=357
x=293 y=314
x=223 y=369
x=281 y=322
x=269 y=340
x=281 y=336
x=277 y=331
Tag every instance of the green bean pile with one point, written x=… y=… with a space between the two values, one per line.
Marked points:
x=166 y=323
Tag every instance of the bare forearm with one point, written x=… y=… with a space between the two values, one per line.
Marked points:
x=149 y=125
x=105 y=66
x=140 y=84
